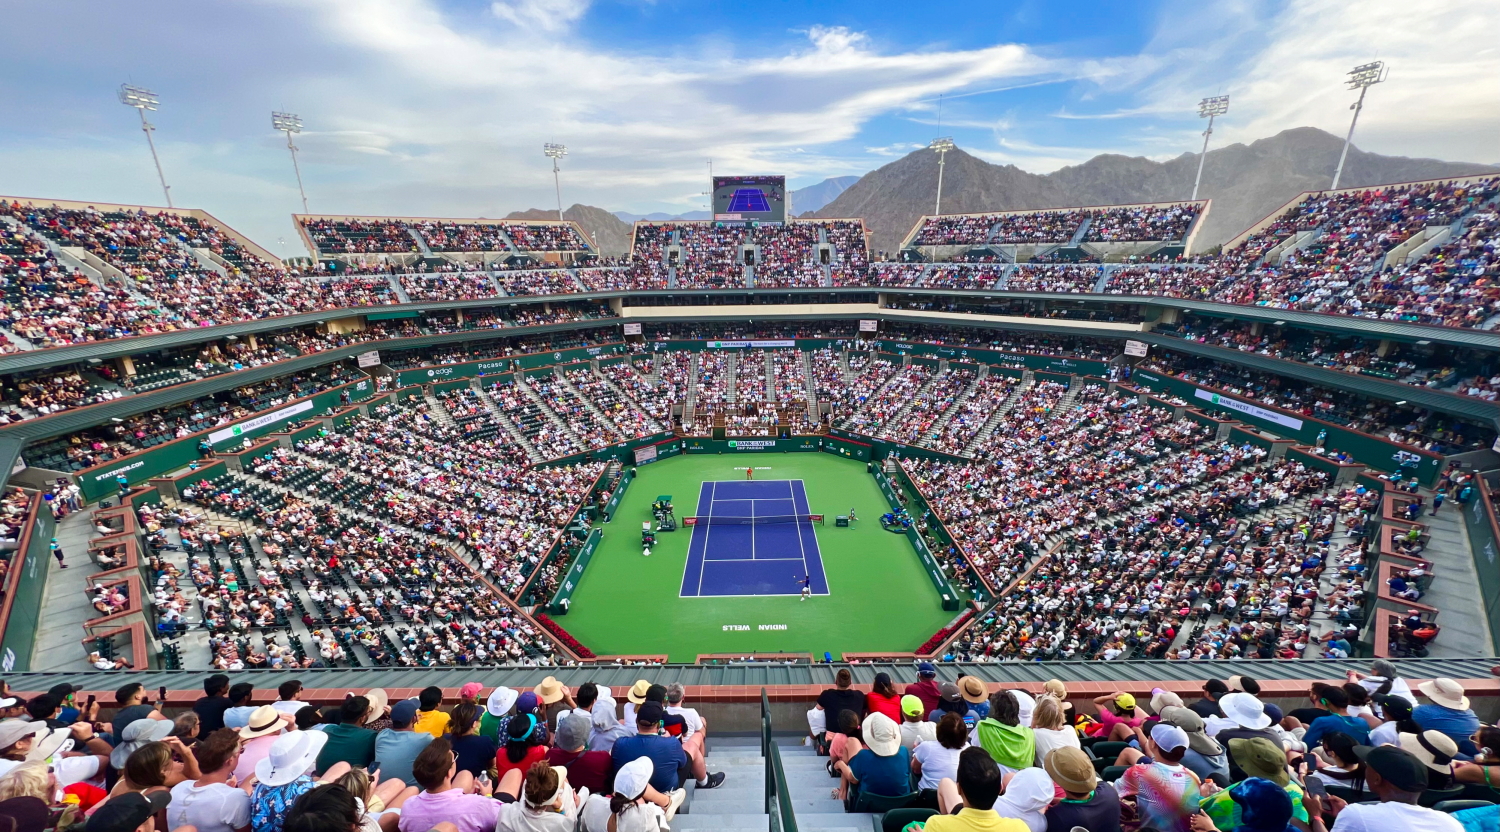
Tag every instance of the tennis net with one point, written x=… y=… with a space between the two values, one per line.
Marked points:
x=727 y=520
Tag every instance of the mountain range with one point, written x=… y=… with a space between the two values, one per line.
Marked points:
x=1245 y=181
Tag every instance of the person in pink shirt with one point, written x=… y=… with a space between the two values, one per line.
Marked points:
x=452 y=795
x=266 y=724
x=1118 y=716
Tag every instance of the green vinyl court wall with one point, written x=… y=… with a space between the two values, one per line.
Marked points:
x=28 y=588
x=1484 y=546
x=100 y=481
x=564 y=595
x=1365 y=449
x=952 y=600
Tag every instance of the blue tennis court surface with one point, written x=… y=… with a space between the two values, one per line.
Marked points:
x=749 y=201
x=750 y=559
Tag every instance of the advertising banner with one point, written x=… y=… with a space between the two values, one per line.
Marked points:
x=633 y=329
x=1272 y=416
x=368 y=359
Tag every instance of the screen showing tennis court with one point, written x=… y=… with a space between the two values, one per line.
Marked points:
x=750 y=198
x=753 y=537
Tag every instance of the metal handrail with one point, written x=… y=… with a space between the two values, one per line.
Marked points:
x=778 y=796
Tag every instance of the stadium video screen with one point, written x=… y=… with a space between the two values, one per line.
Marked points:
x=750 y=198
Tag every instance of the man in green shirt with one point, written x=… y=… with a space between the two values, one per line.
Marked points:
x=349 y=741
x=501 y=700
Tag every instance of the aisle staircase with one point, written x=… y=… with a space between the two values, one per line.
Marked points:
x=512 y=431
x=740 y=804
x=988 y=428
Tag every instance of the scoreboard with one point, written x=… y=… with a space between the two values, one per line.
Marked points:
x=750 y=198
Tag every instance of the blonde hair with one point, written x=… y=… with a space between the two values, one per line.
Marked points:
x=29 y=780
x=357 y=782
x=1048 y=714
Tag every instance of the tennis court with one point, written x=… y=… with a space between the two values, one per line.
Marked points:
x=753 y=538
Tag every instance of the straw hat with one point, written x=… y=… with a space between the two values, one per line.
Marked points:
x=973 y=690
x=1435 y=749
x=637 y=692
x=550 y=690
x=264 y=721
x=379 y=699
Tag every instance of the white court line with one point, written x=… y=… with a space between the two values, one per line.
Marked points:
x=752 y=529
x=806 y=572
x=703 y=561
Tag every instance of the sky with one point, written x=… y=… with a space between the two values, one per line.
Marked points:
x=441 y=107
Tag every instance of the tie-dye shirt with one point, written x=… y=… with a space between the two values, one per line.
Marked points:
x=1166 y=797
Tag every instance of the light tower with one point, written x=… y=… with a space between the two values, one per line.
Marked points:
x=143 y=100
x=290 y=123
x=555 y=152
x=1361 y=78
x=1208 y=108
x=942 y=146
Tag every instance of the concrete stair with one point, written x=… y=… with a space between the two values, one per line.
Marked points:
x=988 y=428
x=740 y=804
x=809 y=786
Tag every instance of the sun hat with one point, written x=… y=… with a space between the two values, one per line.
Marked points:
x=1188 y=720
x=604 y=692
x=949 y=692
x=632 y=778
x=1445 y=692
x=13 y=730
x=637 y=692
x=404 y=713
x=912 y=706
x=1396 y=766
x=1025 y=706
x=50 y=743
x=1070 y=768
x=379 y=699
x=549 y=691
x=264 y=720
x=1244 y=710
x=1259 y=757
x=1056 y=688
x=501 y=701
x=1163 y=699
x=973 y=690
x=137 y=734
x=1435 y=749
x=1264 y=805
x=292 y=754
x=126 y=812
x=1169 y=737
x=881 y=734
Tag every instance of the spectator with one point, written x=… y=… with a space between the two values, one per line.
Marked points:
x=883 y=698
x=348 y=741
x=1118 y=716
x=237 y=715
x=289 y=695
x=1205 y=757
x=951 y=700
x=1026 y=798
x=327 y=808
x=1397 y=711
x=382 y=799
x=211 y=803
x=696 y=728
x=555 y=699
x=1165 y=792
x=130 y=699
x=926 y=687
x=185 y=728
x=1336 y=701
x=937 y=758
x=666 y=753
x=882 y=767
x=548 y=803
x=1382 y=679
x=266 y=724
x=284 y=775
x=841 y=697
x=127 y=812
x=585 y=767
x=1262 y=760
x=475 y=752
x=1010 y=743
x=1049 y=729
x=211 y=706
x=1208 y=705
x=914 y=725
x=430 y=720
x=452 y=795
x=397 y=747
x=1436 y=751
x=136 y=735
x=973 y=794
x=1484 y=768
x=607 y=730
x=1398 y=779
x=469 y=693
x=1263 y=806
x=1448 y=712
x=496 y=708
x=628 y=807
x=523 y=745
x=1245 y=718
x=976 y=694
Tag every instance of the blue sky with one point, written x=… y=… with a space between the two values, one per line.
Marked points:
x=434 y=107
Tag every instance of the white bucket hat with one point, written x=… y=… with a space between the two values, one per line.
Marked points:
x=881 y=734
x=137 y=734
x=1445 y=692
x=501 y=701
x=292 y=755
x=1244 y=710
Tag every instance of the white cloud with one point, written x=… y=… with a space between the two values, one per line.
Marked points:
x=547 y=15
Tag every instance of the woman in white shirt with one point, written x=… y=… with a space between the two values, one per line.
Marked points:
x=1049 y=728
x=627 y=810
x=933 y=760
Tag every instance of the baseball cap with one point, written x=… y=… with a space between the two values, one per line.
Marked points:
x=650 y=712
x=911 y=705
x=926 y=669
x=404 y=713
x=1396 y=766
x=63 y=691
x=573 y=730
x=1169 y=737
x=470 y=690
x=127 y=811
x=949 y=692
x=1125 y=700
